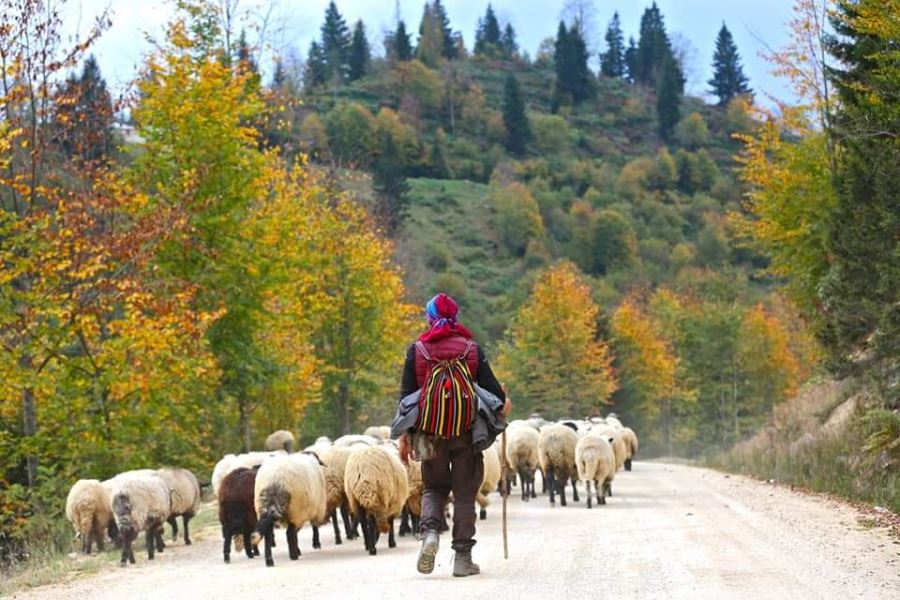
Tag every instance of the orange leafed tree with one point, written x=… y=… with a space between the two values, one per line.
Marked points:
x=553 y=359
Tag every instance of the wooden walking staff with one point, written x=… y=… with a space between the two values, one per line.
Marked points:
x=504 y=468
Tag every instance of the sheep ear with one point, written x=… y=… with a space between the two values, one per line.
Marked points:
x=611 y=439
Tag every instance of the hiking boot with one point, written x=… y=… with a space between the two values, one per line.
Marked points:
x=429 y=550
x=463 y=565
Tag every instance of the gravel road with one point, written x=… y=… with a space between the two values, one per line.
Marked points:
x=670 y=532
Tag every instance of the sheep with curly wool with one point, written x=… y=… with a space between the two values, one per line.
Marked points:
x=230 y=462
x=556 y=452
x=89 y=511
x=280 y=440
x=412 y=510
x=522 y=456
x=335 y=460
x=596 y=462
x=237 y=511
x=184 y=490
x=289 y=491
x=377 y=487
x=490 y=480
x=631 y=445
x=140 y=501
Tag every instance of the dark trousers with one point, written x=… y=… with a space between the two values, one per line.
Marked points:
x=456 y=467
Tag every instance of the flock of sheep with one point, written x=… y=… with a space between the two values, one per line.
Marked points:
x=356 y=482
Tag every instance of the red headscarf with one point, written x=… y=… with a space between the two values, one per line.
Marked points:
x=441 y=311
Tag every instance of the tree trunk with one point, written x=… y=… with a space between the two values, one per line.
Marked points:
x=29 y=429
x=244 y=424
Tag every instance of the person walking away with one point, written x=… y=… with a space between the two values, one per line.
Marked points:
x=444 y=363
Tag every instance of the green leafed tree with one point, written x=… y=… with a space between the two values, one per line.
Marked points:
x=612 y=62
x=315 y=71
x=389 y=182
x=360 y=55
x=518 y=131
x=400 y=47
x=728 y=79
x=653 y=48
x=508 y=42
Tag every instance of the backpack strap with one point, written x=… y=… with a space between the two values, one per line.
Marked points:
x=420 y=346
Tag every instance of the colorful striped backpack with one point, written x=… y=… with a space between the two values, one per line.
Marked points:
x=447 y=399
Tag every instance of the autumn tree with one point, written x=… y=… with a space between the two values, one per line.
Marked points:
x=728 y=79
x=553 y=359
x=518 y=219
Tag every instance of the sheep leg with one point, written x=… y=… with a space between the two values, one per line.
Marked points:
x=550 y=478
x=160 y=542
x=151 y=541
x=173 y=521
x=392 y=543
x=531 y=485
x=187 y=536
x=415 y=524
x=226 y=546
x=524 y=487
x=544 y=483
x=587 y=487
x=125 y=544
x=317 y=544
x=293 y=547
x=349 y=528
x=269 y=535
x=575 y=497
x=627 y=464
x=562 y=491
x=404 y=522
x=363 y=520
x=97 y=532
x=374 y=534
x=249 y=549
x=606 y=486
x=337 y=529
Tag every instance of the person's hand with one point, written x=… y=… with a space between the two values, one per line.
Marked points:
x=403 y=444
x=507 y=408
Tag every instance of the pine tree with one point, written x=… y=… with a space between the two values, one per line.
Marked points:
x=612 y=62
x=431 y=38
x=631 y=67
x=653 y=49
x=728 y=79
x=573 y=78
x=508 y=43
x=401 y=45
x=87 y=114
x=315 y=72
x=487 y=35
x=440 y=13
x=335 y=44
x=518 y=132
x=669 y=91
x=861 y=289
x=359 y=53
x=279 y=77
x=391 y=187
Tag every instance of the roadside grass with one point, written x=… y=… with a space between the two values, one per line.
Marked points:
x=49 y=567
x=806 y=446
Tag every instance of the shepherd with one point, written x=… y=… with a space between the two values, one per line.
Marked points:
x=443 y=366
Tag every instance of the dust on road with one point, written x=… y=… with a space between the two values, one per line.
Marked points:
x=669 y=532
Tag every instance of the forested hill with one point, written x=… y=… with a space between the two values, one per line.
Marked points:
x=489 y=167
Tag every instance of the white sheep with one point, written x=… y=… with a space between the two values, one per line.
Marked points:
x=289 y=491
x=631 y=445
x=140 y=501
x=522 y=456
x=184 y=490
x=613 y=420
x=491 y=479
x=596 y=463
x=230 y=462
x=620 y=448
x=89 y=511
x=378 y=432
x=354 y=439
x=335 y=460
x=280 y=440
x=556 y=452
x=377 y=487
